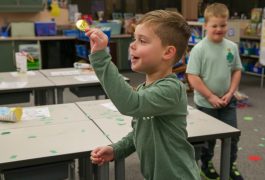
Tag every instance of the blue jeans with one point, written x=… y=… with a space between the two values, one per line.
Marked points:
x=227 y=115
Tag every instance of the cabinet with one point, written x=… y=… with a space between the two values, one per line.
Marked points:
x=6 y=60
x=122 y=44
x=55 y=51
x=21 y=5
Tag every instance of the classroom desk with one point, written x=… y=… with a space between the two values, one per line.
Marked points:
x=16 y=88
x=200 y=127
x=82 y=82
x=65 y=134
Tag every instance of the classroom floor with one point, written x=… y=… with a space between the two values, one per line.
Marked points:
x=251 y=122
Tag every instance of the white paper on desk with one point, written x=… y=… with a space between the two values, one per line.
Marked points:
x=35 y=113
x=110 y=106
x=28 y=73
x=64 y=73
x=10 y=85
x=87 y=78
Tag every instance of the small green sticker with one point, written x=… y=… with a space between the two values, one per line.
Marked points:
x=248 y=118
x=121 y=123
x=5 y=133
x=13 y=157
x=261 y=145
x=119 y=119
x=53 y=151
x=32 y=137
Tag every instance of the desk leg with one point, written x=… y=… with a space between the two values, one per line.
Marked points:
x=59 y=95
x=50 y=96
x=85 y=168
x=120 y=169
x=2 y=177
x=39 y=97
x=225 y=158
x=102 y=172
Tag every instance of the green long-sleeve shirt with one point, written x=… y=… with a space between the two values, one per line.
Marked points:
x=159 y=113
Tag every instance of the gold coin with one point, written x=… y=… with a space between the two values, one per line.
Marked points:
x=81 y=25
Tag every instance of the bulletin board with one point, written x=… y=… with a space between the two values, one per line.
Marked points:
x=262 y=44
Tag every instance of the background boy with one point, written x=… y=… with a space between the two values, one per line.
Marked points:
x=214 y=71
x=158 y=106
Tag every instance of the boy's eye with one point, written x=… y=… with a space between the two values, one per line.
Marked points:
x=142 y=41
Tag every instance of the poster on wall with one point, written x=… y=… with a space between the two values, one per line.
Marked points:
x=262 y=44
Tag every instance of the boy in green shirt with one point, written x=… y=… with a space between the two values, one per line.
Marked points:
x=214 y=71
x=158 y=106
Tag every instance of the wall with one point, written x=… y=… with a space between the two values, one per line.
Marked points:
x=45 y=15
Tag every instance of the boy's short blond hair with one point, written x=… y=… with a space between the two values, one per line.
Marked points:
x=171 y=28
x=216 y=10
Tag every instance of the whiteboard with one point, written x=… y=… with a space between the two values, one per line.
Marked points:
x=262 y=44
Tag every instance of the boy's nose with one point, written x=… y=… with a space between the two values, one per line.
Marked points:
x=132 y=45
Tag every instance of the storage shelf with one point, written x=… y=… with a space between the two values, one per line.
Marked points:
x=252 y=73
x=83 y=57
x=192 y=44
x=250 y=37
x=195 y=23
x=250 y=56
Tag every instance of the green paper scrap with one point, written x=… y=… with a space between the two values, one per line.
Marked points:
x=248 y=118
x=261 y=145
x=121 y=123
x=119 y=119
x=240 y=148
x=5 y=133
x=13 y=157
x=53 y=151
x=32 y=137
x=46 y=119
x=256 y=130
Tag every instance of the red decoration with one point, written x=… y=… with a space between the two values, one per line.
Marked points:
x=254 y=158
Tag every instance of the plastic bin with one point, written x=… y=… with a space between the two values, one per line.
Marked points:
x=114 y=26
x=45 y=28
x=71 y=32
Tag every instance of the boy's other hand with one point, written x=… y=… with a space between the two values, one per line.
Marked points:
x=216 y=102
x=103 y=154
x=227 y=97
x=98 y=39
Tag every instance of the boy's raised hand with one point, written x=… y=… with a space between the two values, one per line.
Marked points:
x=98 y=39
x=103 y=154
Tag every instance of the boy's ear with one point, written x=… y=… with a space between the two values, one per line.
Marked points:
x=170 y=52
